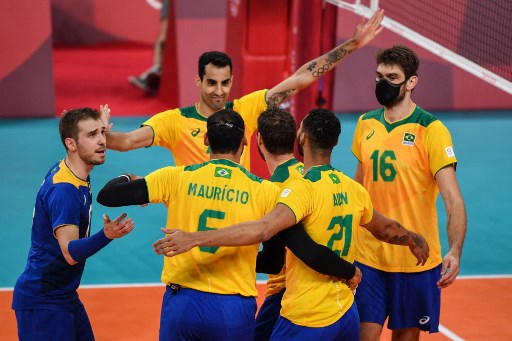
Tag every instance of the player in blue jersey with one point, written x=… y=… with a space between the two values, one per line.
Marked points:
x=45 y=299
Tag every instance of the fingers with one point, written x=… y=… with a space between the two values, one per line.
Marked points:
x=106 y=219
x=121 y=217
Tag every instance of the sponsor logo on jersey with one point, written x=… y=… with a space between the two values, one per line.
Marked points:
x=408 y=139
x=370 y=134
x=424 y=320
x=195 y=132
x=449 y=151
x=221 y=172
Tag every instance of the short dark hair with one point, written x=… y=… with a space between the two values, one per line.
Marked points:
x=278 y=130
x=216 y=58
x=68 y=125
x=225 y=130
x=323 y=128
x=401 y=56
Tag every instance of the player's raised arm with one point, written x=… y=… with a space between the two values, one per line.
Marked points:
x=316 y=68
x=138 y=138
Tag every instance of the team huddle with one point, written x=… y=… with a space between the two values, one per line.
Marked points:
x=342 y=255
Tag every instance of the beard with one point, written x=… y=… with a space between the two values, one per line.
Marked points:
x=397 y=100
x=216 y=106
x=91 y=158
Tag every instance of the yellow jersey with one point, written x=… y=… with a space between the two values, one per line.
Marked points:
x=291 y=169
x=331 y=206
x=207 y=196
x=182 y=130
x=399 y=161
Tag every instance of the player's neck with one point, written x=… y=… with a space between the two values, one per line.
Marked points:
x=230 y=157
x=77 y=166
x=315 y=159
x=399 y=111
x=204 y=110
x=275 y=160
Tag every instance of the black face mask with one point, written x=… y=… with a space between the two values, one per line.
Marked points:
x=386 y=92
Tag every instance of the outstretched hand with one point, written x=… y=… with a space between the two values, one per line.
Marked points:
x=119 y=227
x=174 y=243
x=366 y=31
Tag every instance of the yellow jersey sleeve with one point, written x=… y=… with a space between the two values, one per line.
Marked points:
x=163 y=184
x=439 y=147
x=167 y=128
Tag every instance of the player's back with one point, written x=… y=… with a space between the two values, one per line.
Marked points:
x=330 y=206
x=209 y=196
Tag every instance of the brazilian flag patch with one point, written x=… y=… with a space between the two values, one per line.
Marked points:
x=221 y=172
x=409 y=139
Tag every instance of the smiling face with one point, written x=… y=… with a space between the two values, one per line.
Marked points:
x=91 y=142
x=215 y=86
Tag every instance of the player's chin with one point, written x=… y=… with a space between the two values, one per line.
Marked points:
x=99 y=160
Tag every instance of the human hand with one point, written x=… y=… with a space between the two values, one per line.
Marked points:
x=354 y=281
x=118 y=227
x=419 y=248
x=105 y=117
x=366 y=31
x=449 y=270
x=174 y=243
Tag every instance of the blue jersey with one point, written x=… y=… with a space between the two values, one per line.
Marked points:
x=48 y=281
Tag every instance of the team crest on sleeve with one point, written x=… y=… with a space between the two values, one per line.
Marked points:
x=449 y=151
x=408 y=139
x=285 y=192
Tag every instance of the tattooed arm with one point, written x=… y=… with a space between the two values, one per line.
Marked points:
x=313 y=70
x=390 y=231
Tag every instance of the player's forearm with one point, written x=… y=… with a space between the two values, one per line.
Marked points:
x=456 y=226
x=320 y=66
x=394 y=233
x=247 y=233
x=121 y=191
x=118 y=141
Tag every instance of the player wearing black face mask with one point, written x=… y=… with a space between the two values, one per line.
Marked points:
x=387 y=92
x=405 y=156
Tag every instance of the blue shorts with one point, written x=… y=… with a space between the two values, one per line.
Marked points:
x=346 y=328
x=267 y=316
x=189 y=314
x=54 y=325
x=410 y=300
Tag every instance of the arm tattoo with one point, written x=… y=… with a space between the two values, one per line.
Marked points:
x=417 y=240
x=399 y=240
x=311 y=66
x=332 y=58
x=279 y=98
